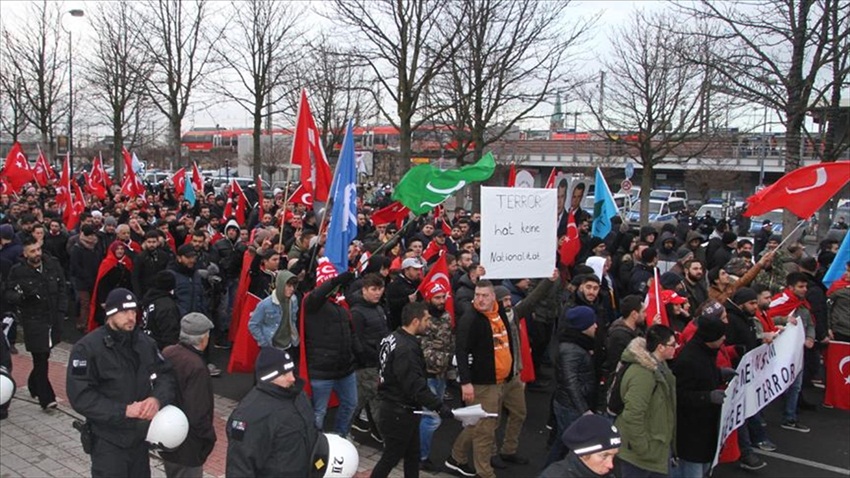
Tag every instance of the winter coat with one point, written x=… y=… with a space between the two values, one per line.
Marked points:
x=648 y=421
x=619 y=337
x=697 y=376
x=230 y=254
x=839 y=310
x=742 y=328
x=42 y=301
x=370 y=327
x=55 y=245
x=464 y=293
x=638 y=281
x=816 y=296
x=188 y=289
x=328 y=335
x=402 y=373
x=271 y=433
x=195 y=399
x=84 y=263
x=438 y=343
x=574 y=372
x=397 y=297
x=145 y=267
x=666 y=257
x=476 y=363
x=161 y=317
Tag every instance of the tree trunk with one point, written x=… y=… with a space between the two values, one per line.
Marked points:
x=793 y=157
x=645 y=188
x=174 y=126
x=118 y=143
x=257 y=163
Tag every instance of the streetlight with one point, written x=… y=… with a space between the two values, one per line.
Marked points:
x=76 y=12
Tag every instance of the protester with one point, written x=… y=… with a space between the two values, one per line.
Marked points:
x=272 y=431
x=37 y=287
x=160 y=313
x=403 y=389
x=118 y=381
x=648 y=421
x=194 y=398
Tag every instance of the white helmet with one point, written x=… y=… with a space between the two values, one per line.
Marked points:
x=334 y=457
x=7 y=386
x=168 y=428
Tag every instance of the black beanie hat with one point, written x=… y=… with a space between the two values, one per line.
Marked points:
x=591 y=434
x=728 y=237
x=744 y=295
x=273 y=362
x=119 y=300
x=164 y=280
x=710 y=329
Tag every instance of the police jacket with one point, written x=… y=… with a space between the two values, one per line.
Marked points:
x=107 y=371
x=328 y=334
x=370 y=327
x=571 y=467
x=401 y=373
x=41 y=298
x=195 y=398
x=271 y=433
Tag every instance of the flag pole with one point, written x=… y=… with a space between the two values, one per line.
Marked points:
x=790 y=234
x=285 y=203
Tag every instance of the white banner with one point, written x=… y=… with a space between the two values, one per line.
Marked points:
x=518 y=232
x=763 y=375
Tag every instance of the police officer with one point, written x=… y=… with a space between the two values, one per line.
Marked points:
x=118 y=380
x=402 y=389
x=272 y=431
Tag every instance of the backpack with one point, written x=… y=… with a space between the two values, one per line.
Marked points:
x=615 y=398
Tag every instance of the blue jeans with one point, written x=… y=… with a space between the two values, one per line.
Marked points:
x=564 y=417
x=751 y=433
x=346 y=391
x=792 y=396
x=690 y=469
x=429 y=424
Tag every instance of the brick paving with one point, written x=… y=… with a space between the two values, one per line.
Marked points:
x=36 y=443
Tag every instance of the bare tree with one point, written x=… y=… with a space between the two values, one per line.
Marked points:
x=653 y=100
x=405 y=44
x=772 y=53
x=12 y=119
x=510 y=54
x=116 y=74
x=178 y=36
x=339 y=87
x=34 y=70
x=260 y=48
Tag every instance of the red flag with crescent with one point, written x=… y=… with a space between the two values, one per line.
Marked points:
x=438 y=281
x=802 y=191
x=16 y=170
x=301 y=196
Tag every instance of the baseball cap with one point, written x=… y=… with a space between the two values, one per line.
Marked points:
x=412 y=262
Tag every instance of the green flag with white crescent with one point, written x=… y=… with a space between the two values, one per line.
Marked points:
x=425 y=186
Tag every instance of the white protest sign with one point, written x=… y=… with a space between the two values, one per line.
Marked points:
x=518 y=232
x=763 y=375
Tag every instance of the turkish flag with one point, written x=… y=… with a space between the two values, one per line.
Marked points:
x=197 y=180
x=131 y=185
x=245 y=347
x=395 y=212
x=301 y=196
x=526 y=375
x=99 y=179
x=63 y=190
x=42 y=172
x=570 y=245
x=802 y=191
x=550 y=183
x=655 y=303
x=307 y=152
x=837 y=361
x=16 y=170
x=240 y=209
x=94 y=188
x=179 y=181
x=512 y=176
x=439 y=274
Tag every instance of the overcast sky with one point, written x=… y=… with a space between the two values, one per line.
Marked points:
x=613 y=14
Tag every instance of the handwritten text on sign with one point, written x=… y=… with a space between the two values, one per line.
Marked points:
x=518 y=232
x=764 y=373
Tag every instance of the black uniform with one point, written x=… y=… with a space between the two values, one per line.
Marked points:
x=402 y=388
x=271 y=432
x=41 y=298
x=107 y=371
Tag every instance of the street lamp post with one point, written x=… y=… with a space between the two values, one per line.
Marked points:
x=76 y=12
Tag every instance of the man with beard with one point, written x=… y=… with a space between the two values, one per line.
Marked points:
x=84 y=261
x=188 y=288
x=149 y=263
x=643 y=271
x=402 y=290
x=667 y=256
x=513 y=395
x=695 y=283
x=37 y=287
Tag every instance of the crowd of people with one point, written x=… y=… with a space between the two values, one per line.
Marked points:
x=152 y=283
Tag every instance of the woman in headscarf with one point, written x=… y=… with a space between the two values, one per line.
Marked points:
x=115 y=271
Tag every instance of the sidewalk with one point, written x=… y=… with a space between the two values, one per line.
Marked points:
x=37 y=443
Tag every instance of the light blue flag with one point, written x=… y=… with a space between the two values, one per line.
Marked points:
x=604 y=207
x=189 y=191
x=343 y=225
x=836 y=270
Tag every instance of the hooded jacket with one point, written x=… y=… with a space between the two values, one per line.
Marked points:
x=267 y=316
x=575 y=372
x=230 y=253
x=666 y=257
x=161 y=317
x=697 y=376
x=648 y=421
x=370 y=327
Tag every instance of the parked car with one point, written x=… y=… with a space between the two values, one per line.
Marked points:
x=665 y=193
x=622 y=201
x=775 y=217
x=661 y=212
